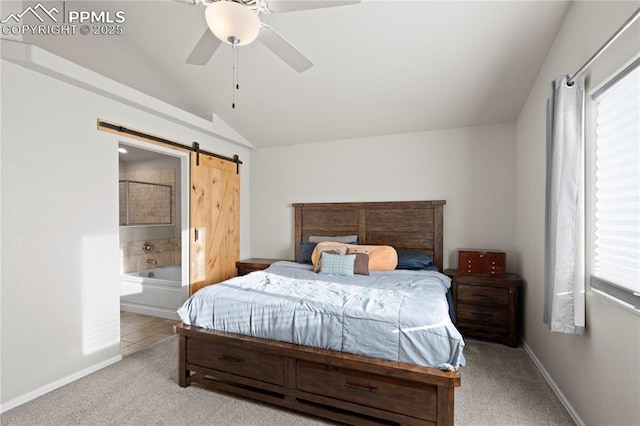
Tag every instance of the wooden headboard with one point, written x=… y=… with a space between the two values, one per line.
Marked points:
x=405 y=225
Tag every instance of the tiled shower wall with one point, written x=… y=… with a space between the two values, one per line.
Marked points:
x=161 y=176
x=166 y=251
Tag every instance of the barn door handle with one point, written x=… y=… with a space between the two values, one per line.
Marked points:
x=195 y=235
x=360 y=387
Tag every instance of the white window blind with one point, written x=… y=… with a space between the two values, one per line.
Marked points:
x=616 y=255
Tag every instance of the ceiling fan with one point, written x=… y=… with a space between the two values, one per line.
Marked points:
x=237 y=23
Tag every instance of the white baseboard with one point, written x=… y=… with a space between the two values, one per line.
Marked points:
x=554 y=386
x=58 y=383
x=149 y=310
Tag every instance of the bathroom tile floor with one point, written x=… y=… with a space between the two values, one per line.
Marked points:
x=139 y=331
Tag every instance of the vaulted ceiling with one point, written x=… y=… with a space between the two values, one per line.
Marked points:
x=381 y=67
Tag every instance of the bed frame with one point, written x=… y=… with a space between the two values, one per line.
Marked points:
x=349 y=388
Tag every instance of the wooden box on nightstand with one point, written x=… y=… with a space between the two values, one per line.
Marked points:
x=487 y=306
x=481 y=262
x=254 y=264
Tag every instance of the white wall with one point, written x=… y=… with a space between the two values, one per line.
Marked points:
x=471 y=168
x=60 y=271
x=598 y=373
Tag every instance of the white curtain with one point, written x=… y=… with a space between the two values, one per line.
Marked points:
x=564 y=309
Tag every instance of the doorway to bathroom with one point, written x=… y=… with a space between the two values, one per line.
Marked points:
x=154 y=220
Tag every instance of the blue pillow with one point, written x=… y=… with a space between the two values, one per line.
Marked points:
x=414 y=260
x=338 y=264
x=305 y=250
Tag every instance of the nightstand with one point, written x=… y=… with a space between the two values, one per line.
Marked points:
x=254 y=264
x=487 y=307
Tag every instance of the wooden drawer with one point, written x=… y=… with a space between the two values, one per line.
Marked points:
x=244 y=270
x=483 y=331
x=469 y=262
x=484 y=315
x=254 y=264
x=494 y=264
x=255 y=365
x=483 y=295
x=372 y=390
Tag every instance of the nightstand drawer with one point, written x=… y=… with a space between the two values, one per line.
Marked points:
x=242 y=270
x=483 y=295
x=483 y=331
x=482 y=314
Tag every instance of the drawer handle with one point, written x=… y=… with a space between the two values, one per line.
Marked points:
x=360 y=387
x=480 y=314
x=229 y=359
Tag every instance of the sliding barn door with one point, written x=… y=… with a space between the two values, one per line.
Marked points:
x=215 y=220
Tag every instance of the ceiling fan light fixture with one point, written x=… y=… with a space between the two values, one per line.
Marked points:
x=232 y=22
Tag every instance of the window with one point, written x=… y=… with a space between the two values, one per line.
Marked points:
x=616 y=243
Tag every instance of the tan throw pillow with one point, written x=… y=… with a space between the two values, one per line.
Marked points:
x=358 y=249
x=320 y=247
x=381 y=258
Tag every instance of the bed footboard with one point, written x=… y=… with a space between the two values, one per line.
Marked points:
x=345 y=387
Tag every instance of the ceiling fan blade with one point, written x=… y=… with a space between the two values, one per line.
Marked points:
x=285 y=50
x=193 y=2
x=204 y=49
x=280 y=6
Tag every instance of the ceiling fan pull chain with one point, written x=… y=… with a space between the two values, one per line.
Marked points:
x=237 y=68
x=235 y=75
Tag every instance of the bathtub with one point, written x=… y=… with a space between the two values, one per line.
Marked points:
x=156 y=292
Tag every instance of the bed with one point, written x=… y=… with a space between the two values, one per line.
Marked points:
x=347 y=387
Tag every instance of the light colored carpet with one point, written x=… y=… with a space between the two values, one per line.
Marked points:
x=500 y=385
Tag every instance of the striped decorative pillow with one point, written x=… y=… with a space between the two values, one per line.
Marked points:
x=336 y=264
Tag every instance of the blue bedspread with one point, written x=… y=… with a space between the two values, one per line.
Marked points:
x=398 y=315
